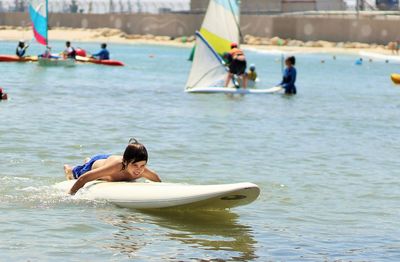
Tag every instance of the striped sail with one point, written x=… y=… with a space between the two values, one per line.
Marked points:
x=208 y=68
x=38 y=14
x=219 y=29
x=221 y=24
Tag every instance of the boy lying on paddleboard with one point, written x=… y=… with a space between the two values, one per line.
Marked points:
x=113 y=168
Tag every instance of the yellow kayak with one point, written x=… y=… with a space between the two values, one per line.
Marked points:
x=395 y=78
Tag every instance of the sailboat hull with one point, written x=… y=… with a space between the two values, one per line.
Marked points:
x=46 y=62
x=239 y=91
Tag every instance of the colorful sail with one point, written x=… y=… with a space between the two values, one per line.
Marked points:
x=221 y=24
x=208 y=68
x=38 y=14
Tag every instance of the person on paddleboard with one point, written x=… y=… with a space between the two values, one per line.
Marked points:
x=289 y=76
x=237 y=65
x=69 y=51
x=21 y=49
x=3 y=96
x=103 y=54
x=113 y=168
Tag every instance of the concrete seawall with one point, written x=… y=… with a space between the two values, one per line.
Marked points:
x=370 y=28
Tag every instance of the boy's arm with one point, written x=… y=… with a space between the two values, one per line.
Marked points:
x=104 y=172
x=151 y=175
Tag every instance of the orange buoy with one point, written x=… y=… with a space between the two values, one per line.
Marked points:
x=395 y=78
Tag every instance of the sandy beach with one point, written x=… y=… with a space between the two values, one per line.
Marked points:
x=108 y=35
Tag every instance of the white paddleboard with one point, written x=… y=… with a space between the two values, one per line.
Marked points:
x=152 y=195
x=382 y=57
x=228 y=90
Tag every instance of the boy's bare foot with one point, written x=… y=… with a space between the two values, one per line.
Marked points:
x=68 y=172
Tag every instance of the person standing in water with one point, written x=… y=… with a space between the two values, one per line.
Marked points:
x=103 y=54
x=289 y=76
x=21 y=49
x=237 y=65
x=130 y=166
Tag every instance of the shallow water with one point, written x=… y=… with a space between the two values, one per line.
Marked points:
x=326 y=160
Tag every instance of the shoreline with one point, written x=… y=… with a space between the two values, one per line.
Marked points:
x=273 y=45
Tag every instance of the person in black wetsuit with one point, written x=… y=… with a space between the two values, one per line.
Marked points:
x=289 y=76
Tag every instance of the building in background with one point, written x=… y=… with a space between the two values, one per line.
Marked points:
x=277 y=6
x=387 y=4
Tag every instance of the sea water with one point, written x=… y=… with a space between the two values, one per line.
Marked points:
x=326 y=160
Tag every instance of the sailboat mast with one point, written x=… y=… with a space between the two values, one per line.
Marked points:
x=47 y=23
x=238 y=22
x=236 y=18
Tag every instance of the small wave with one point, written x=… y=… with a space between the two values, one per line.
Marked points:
x=30 y=189
x=10 y=178
x=44 y=196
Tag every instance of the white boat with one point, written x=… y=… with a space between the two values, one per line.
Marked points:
x=233 y=90
x=49 y=62
x=150 y=195
x=219 y=29
x=208 y=73
x=380 y=57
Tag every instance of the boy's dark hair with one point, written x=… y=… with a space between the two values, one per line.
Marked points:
x=291 y=59
x=134 y=152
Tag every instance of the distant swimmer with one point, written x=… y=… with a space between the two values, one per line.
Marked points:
x=113 y=168
x=103 y=54
x=237 y=65
x=252 y=74
x=69 y=51
x=3 y=96
x=289 y=76
x=359 y=61
x=21 y=49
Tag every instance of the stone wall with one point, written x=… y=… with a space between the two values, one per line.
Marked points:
x=349 y=28
x=254 y=6
x=336 y=28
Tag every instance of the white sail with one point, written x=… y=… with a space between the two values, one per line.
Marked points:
x=219 y=29
x=221 y=24
x=208 y=68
